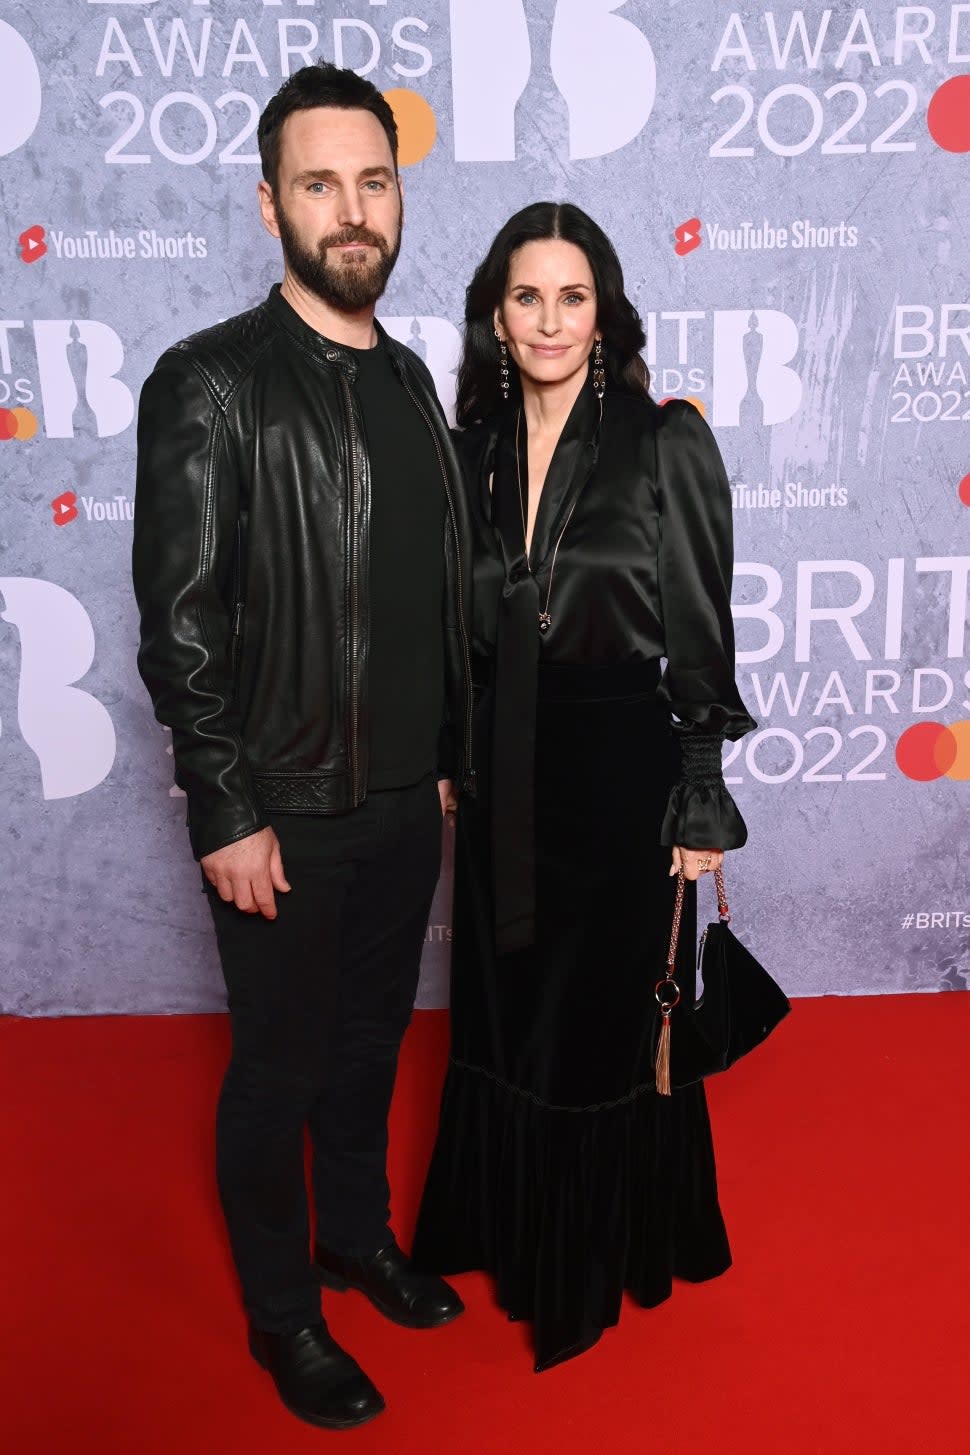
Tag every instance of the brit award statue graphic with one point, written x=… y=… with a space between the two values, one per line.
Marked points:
x=751 y=413
x=754 y=383
x=416 y=340
x=85 y=420
x=528 y=80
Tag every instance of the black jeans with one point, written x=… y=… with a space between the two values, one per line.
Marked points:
x=319 y=1000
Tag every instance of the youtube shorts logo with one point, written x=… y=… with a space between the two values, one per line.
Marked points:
x=33 y=244
x=687 y=236
x=64 y=508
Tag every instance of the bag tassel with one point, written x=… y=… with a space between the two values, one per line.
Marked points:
x=667 y=993
x=663 y=1056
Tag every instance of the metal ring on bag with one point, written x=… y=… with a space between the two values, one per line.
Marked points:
x=667 y=1005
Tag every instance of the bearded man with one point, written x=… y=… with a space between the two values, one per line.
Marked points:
x=299 y=534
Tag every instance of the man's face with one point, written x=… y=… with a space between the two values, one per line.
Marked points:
x=337 y=207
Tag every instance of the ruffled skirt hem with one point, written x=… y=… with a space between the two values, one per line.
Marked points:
x=568 y=1208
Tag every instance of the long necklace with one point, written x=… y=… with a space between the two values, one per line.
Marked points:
x=545 y=620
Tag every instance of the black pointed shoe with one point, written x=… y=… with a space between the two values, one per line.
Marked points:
x=416 y=1300
x=316 y=1379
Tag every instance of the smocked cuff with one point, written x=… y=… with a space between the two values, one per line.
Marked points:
x=700 y=759
x=701 y=814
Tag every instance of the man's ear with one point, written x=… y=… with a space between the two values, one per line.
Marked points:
x=267 y=208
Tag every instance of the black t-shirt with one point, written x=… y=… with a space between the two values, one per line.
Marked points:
x=407 y=521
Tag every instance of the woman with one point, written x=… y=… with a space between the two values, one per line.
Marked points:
x=602 y=539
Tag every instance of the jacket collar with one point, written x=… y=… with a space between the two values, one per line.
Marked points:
x=324 y=348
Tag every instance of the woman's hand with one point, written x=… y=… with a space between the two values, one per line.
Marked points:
x=695 y=862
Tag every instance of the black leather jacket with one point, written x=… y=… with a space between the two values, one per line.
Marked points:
x=252 y=519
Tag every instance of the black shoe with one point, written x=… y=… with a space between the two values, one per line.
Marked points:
x=416 y=1300
x=316 y=1379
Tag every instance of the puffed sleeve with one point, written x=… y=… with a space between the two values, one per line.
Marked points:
x=695 y=574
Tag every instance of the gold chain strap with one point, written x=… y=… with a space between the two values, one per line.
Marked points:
x=666 y=990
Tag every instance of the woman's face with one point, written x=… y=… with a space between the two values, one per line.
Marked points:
x=548 y=315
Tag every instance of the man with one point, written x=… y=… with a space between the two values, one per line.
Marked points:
x=297 y=562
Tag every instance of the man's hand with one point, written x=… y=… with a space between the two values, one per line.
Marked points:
x=446 y=792
x=247 y=872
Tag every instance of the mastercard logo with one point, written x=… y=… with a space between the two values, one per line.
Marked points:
x=948 y=115
x=417 y=127
x=17 y=424
x=930 y=750
x=688 y=399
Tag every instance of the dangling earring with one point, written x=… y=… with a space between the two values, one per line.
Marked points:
x=599 y=371
x=503 y=368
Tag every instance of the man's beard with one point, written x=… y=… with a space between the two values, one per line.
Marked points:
x=349 y=285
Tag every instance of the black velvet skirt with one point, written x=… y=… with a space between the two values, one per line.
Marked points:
x=557 y=1166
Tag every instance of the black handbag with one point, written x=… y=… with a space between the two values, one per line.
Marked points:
x=739 y=1007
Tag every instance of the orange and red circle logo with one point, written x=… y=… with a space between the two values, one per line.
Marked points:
x=948 y=115
x=930 y=750
x=17 y=424
x=417 y=126
x=698 y=404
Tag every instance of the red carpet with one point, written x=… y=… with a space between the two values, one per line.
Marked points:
x=842 y=1327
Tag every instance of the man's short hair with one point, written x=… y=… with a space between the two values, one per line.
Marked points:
x=323 y=85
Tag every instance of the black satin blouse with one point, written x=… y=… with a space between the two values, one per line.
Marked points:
x=643 y=571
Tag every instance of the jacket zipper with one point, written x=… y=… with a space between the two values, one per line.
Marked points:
x=236 y=646
x=354 y=594
x=237 y=606
x=466 y=655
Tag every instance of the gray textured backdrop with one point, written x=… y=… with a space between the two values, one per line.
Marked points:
x=822 y=321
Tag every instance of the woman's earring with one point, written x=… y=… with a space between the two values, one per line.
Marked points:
x=503 y=368
x=599 y=371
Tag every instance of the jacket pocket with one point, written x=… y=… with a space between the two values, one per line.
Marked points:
x=235 y=641
x=239 y=605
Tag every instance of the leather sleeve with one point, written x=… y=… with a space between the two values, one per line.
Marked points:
x=451 y=750
x=184 y=570
x=695 y=575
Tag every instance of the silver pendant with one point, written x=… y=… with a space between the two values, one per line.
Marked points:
x=545 y=621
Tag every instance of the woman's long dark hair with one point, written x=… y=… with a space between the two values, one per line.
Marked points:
x=479 y=394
